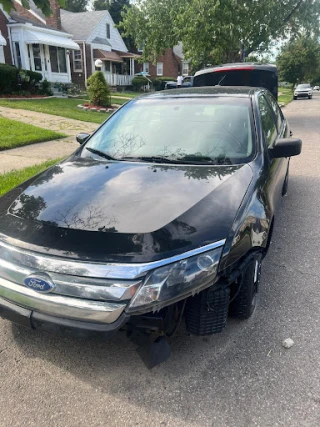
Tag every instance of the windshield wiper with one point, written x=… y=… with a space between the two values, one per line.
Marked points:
x=152 y=159
x=100 y=153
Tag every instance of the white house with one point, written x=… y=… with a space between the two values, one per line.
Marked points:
x=37 y=43
x=98 y=38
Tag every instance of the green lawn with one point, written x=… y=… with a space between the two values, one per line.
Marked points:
x=15 y=134
x=127 y=94
x=286 y=95
x=10 y=180
x=65 y=107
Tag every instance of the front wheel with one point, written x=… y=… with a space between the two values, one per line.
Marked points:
x=245 y=297
x=294 y=97
x=310 y=97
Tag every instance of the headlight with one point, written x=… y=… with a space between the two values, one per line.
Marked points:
x=176 y=280
x=296 y=93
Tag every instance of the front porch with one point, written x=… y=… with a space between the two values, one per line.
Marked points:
x=117 y=67
x=42 y=50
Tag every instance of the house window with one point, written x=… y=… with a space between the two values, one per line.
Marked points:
x=37 y=57
x=108 y=31
x=185 y=68
x=58 y=59
x=77 y=60
x=107 y=66
x=159 y=68
x=146 y=67
x=17 y=55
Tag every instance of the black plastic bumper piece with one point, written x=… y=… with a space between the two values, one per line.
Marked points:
x=64 y=327
x=207 y=312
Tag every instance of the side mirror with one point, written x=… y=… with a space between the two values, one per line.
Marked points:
x=82 y=137
x=286 y=147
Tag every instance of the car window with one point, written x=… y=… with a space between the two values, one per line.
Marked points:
x=267 y=121
x=211 y=130
x=276 y=110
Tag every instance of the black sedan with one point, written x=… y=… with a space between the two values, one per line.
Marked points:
x=164 y=213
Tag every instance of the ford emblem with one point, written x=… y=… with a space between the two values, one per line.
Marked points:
x=40 y=282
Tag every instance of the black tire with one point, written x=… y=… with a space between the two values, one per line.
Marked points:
x=310 y=97
x=245 y=302
x=294 y=97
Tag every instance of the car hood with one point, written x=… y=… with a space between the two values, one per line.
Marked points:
x=116 y=211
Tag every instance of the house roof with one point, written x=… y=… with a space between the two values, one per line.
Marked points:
x=22 y=20
x=106 y=56
x=178 y=50
x=81 y=24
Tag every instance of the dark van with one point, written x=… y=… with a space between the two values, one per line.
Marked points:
x=242 y=74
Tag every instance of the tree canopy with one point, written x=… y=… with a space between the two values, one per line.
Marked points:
x=213 y=30
x=115 y=7
x=299 y=60
x=76 y=5
x=43 y=5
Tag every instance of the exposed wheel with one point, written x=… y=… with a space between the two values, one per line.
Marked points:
x=286 y=183
x=310 y=97
x=294 y=97
x=245 y=300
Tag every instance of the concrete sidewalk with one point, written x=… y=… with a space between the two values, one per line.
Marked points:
x=30 y=155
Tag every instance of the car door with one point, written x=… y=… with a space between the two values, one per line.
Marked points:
x=273 y=127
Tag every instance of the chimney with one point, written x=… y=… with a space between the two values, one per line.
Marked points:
x=54 y=20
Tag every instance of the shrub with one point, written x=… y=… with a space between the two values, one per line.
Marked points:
x=8 y=78
x=12 y=79
x=160 y=82
x=138 y=82
x=45 y=88
x=98 y=90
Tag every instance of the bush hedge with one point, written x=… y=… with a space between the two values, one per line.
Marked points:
x=13 y=80
x=139 y=81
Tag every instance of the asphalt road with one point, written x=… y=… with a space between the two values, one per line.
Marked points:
x=242 y=377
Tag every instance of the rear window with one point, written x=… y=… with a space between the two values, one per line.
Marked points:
x=252 y=78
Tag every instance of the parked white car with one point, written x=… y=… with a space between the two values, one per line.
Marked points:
x=303 y=90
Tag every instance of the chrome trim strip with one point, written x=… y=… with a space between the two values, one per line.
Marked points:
x=59 y=306
x=123 y=271
x=74 y=286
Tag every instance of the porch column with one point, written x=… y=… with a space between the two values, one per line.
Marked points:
x=68 y=65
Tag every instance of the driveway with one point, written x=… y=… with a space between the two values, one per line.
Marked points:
x=242 y=377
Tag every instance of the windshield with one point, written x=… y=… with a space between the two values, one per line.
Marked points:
x=306 y=86
x=209 y=130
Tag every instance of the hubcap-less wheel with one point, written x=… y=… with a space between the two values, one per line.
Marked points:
x=245 y=300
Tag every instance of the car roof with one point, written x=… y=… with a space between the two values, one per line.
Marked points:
x=237 y=66
x=232 y=91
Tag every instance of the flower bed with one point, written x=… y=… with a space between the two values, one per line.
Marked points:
x=98 y=108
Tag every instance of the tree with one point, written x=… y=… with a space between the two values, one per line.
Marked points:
x=43 y=5
x=98 y=90
x=213 y=30
x=299 y=60
x=76 y=5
